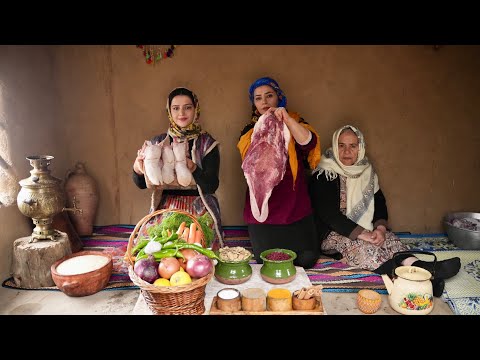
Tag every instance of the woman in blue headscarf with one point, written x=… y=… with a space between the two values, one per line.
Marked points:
x=289 y=223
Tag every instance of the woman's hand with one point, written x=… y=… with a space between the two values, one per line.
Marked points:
x=300 y=134
x=191 y=165
x=375 y=237
x=378 y=237
x=138 y=164
x=282 y=114
x=365 y=235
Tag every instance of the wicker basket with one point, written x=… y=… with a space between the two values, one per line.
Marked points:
x=169 y=300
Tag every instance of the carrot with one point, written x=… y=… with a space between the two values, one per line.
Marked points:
x=185 y=234
x=198 y=236
x=191 y=235
x=169 y=232
x=180 y=229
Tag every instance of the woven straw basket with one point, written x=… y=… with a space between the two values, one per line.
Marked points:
x=169 y=300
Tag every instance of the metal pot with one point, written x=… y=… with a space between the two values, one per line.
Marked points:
x=41 y=197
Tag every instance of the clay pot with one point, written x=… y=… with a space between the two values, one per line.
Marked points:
x=81 y=189
x=278 y=271
x=233 y=272
x=83 y=283
x=62 y=222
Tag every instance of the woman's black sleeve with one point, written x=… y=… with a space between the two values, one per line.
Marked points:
x=139 y=180
x=381 y=211
x=207 y=176
x=325 y=196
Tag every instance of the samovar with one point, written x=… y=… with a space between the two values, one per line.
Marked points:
x=41 y=198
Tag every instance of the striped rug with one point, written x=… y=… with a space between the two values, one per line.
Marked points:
x=335 y=276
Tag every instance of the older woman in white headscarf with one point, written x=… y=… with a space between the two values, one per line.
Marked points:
x=351 y=213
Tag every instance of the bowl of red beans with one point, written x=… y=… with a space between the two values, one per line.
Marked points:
x=278 y=267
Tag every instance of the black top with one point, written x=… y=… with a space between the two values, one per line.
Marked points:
x=205 y=177
x=325 y=196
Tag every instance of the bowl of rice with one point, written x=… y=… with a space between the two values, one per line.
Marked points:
x=463 y=229
x=82 y=273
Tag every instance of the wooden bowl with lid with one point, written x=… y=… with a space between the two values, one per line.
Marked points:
x=368 y=301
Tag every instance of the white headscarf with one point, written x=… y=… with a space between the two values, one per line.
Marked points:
x=362 y=181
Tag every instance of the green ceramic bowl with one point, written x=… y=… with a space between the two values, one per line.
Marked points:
x=233 y=272
x=278 y=271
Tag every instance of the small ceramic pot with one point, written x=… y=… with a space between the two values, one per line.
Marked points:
x=233 y=272
x=83 y=283
x=278 y=271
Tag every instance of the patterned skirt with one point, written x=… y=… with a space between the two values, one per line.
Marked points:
x=363 y=254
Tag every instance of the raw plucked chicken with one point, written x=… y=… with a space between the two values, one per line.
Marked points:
x=184 y=176
x=153 y=162
x=168 y=169
x=265 y=162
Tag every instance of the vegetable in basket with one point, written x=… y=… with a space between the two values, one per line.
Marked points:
x=174 y=221
x=199 y=266
x=146 y=269
x=201 y=250
x=140 y=245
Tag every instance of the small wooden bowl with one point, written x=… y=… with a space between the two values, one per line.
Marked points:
x=86 y=283
x=303 y=304
x=254 y=299
x=229 y=303
x=368 y=301
x=279 y=299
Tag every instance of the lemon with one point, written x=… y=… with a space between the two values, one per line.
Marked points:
x=181 y=269
x=162 y=282
x=180 y=278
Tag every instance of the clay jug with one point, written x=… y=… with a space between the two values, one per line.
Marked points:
x=81 y=189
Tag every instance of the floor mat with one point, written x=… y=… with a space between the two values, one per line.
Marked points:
x=462 y=292
x=336 y=276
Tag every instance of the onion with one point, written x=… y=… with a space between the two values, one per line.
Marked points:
x=152 y=247
x=188 y=254
x=199 y=266
x=168 y=266
x=146 y=269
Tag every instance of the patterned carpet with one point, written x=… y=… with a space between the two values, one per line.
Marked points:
x=336 y=276
x=462 y=292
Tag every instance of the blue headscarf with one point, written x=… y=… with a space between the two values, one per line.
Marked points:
x=282 y=99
